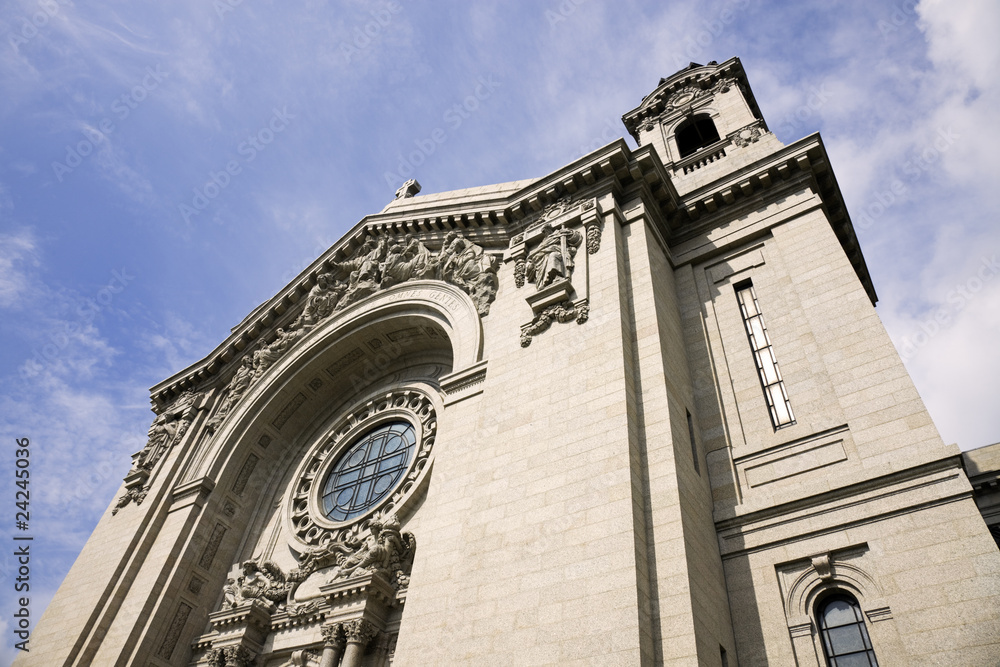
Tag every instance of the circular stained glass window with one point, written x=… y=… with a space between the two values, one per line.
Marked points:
x=368 y=471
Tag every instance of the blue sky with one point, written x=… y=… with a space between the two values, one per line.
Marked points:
x=165 y=168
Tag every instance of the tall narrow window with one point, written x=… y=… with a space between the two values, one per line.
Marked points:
x=763 y=354
x=694 y=447
x=845 y=637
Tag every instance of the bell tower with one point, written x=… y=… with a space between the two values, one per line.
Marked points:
x=704 y=122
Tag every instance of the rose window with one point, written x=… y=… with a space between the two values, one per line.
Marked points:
x=368 y=471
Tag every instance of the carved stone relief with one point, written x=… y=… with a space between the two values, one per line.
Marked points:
x=265 y=582
x=552 y=258
x=377 y=265
x=546 y=255
x=167 y=429
x=748 y=135
x=560 y=312
x=386 y=551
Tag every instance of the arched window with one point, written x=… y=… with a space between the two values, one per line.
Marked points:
x=695 y=133
x=845 y=637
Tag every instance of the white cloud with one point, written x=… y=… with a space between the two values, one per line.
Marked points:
x=17 y=249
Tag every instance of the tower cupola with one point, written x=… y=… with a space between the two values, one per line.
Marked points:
x=703 y=115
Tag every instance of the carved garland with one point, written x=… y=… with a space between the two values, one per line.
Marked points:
x=304 y=517
x=560 y=312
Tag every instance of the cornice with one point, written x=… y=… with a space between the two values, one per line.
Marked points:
x=614 y=168
x=487 y=221
x=805 y=161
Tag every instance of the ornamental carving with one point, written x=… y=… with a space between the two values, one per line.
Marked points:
x=552 y=258
x=231 y=656
x=546 y=254
x=378 y=264
x=135 y=494
x=360 y=631
x=167 y=429
x=560 y=312
x=386 y=551
x=306 y=524
x=747 y=135
x=382 y=263
x=265 y=582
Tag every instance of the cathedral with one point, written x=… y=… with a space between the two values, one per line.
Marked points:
x=638 y=411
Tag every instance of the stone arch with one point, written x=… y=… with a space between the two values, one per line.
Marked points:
x=805 y=583
x=428 y=305
x=241 y=476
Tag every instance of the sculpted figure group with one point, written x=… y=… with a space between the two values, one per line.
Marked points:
x=386 y=551
x=377 y=265
x=265 y=582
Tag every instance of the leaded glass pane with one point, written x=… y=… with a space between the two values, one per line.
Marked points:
x=767 y=366
x=845 y=637
x=368 y=471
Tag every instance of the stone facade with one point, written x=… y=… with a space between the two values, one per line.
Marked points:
x=542 y=423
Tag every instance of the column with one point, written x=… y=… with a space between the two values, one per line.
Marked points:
x=333 y=644
x=358 y=633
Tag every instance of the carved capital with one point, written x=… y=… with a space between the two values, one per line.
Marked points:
x=334 y=636
x=232 y=656
x=360 y=632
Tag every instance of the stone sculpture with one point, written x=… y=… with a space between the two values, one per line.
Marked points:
x=552 y=259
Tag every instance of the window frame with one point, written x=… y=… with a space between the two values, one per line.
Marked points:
x=768 y=373
x=826 y=644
